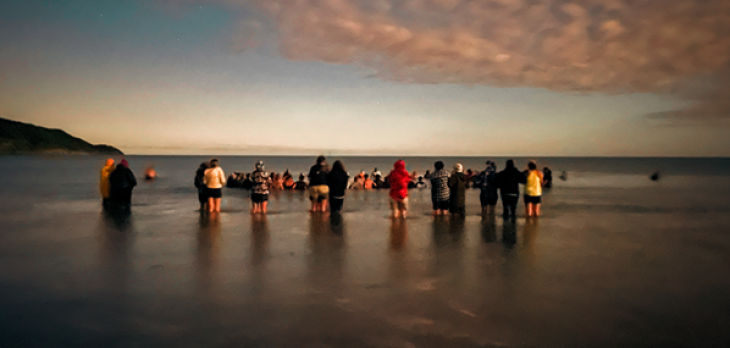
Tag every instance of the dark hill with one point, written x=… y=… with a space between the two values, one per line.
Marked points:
x=24 y=138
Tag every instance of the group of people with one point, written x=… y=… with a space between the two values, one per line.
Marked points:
x=116 y=184
x=327 y=185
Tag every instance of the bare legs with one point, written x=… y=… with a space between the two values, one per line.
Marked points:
x=259 y=208
x=400 y=208
x=319 y=206
x=532 y=209
x=214 y=205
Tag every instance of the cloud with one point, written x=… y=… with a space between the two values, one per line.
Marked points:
x=606 y=46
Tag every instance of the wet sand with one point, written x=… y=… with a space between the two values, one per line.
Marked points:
x=160 y=278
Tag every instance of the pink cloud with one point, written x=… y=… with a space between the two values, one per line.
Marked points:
x=607 y=46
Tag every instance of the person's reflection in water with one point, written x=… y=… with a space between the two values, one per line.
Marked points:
x=117 y=232
x=489 y=229
x=337 y=224
x=398 y=234
x=259 y=238
x=456 y=228
x=326 y=257
x=209 y=231
x=117 y=235
x=440 y=231
x=529 y=236
x=509 y=232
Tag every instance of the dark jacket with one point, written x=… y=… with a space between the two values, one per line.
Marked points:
x=199 y=174
x=508 y=181
x=122 y=178
x=457 y=186
x=337 y=181
x=318 y=175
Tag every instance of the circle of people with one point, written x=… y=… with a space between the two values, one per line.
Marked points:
x=327 y=185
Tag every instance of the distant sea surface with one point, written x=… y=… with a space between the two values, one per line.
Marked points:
x=616 y=260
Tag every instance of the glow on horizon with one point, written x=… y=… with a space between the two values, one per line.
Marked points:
x=173 y=86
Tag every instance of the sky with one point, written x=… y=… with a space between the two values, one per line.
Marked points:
x=373 y=77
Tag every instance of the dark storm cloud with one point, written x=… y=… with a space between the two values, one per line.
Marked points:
x=607 y=46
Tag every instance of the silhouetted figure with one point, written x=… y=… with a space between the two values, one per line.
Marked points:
x=457 y=189
x=121 y=183
x=301 y=185
x=547 y=176
x=654 y=177
x=487 y=184
x=508 y=182
x=198 y=182
x=337 y=180
x=564 y=176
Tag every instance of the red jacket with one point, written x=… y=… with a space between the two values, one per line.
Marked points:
x=399 y=179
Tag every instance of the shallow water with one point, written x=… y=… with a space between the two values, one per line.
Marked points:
x=616 y=260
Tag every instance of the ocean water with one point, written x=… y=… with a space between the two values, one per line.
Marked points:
x=615 y=260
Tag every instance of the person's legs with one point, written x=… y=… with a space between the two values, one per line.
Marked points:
x=264 y=206
x=394 y=207
x=211 y=204
x=537 y=209
x=218 y=205
x=323 y=205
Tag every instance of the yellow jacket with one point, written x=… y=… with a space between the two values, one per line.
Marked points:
x=104 y=180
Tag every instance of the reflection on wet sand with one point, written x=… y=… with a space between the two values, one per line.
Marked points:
x=117 y=235
x=509 y=233
x=325 y=259
x=398 y=234
x=206 y=256
x=489 y=229
x=115 y=264
x=448 y=238
x=259 y=238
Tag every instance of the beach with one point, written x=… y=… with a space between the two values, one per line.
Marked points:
x=615 y=260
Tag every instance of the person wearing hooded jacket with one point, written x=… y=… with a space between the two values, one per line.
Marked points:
x=337 y=179
x=200 y=185
x=121 y=184
x=508 y=181
x=104 y=188
x=398 y=180
x=457 y=188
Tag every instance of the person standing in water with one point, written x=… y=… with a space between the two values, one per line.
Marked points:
x=533 y=190
x=260 y=190
x=440 y=189
x=200 y=185
x=508 y=182
x=121 y=184
x=104 y=189
x=337 y=180
x=214 y=179
x=398 y=180
x=318 y=189
x=457 y=186
x=488 y=195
